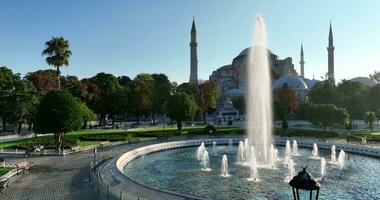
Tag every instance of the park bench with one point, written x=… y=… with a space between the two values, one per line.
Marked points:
x=24 y=166
x=3 y=184
x=105 y=143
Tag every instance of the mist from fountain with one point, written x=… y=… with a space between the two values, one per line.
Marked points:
x=341 y=160
x=224 y=167
x=333 y=155
x=295 y=148
x=259 y=93
x=200 y=151
x=314 y=153
x=323 y=167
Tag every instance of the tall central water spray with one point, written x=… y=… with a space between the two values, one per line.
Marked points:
x=259 y=94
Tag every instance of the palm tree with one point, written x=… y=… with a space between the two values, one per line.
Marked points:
x=58 y=54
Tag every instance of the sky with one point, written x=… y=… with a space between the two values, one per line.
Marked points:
x=128 y=37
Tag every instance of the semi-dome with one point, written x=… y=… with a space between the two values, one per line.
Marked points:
x=365 y=81
x=311 y=83
x=293 y=82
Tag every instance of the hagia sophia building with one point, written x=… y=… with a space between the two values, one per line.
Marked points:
x=232 y=80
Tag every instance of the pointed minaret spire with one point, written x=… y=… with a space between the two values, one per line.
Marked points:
x=302 y=63
x=193 y=29
x=330 y=50
x=193 y=56
x=331 y=40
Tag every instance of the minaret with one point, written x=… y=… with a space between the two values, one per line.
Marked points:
x=330 y=50
x=193 y=56
x=302 y=63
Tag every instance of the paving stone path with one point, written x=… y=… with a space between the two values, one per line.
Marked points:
x=56 y=177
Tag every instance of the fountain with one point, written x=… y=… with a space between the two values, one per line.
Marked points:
x=214 y=151
x=252 y=164
x=200 y=151
x=333 y=155
x=259 y=93
x=240 y=154
x=288 y=153
x=291 y=170
x=230 y=146
x=246 y=150
x=341 y=160
x=205 y=161
x=272 y=156
x=224 y=167
x=315 y=151
x=295 y=148
x=323 y=168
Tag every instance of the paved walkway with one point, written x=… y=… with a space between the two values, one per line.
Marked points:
x=55 y=177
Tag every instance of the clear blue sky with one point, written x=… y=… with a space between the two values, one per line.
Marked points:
x=152 y=36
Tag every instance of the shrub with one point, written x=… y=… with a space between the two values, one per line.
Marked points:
x=210 y=129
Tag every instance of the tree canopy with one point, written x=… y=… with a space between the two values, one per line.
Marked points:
x=59 y=113
x=181 y=106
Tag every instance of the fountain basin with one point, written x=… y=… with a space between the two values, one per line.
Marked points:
x=236 y=172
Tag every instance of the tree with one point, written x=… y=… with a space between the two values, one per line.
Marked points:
x=140 y=94
x=124 y=80
x=181 y=106
x=285 y=100
x=86 y=114
x=17 y=99
x=58 y=113
x=353 y=97
x=188 y=88
x=208 y=95
x=324 y=92
x=374 y=99
x=101 y=91
x=24 y=102
x=284 y=125
x=370 y=118
x=239 y=103
x=160 y=93
x=43 y=80
x=375 y=76
x=58 y=54
x=326 y=115
x=73 y=85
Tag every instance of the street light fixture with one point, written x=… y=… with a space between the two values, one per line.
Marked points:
x=303 y=181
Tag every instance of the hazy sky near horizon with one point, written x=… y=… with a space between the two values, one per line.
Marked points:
x=145 y=36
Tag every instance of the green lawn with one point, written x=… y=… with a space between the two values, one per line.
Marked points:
x=4 y=170
x=94 y=137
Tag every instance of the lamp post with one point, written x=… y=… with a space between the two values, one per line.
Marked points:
x=163 y=124
x=303 y=181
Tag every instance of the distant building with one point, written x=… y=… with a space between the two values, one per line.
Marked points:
x=365 y=81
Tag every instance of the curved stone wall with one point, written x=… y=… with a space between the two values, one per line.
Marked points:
x=123 y=160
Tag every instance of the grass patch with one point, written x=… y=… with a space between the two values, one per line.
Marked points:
x=4 y=170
